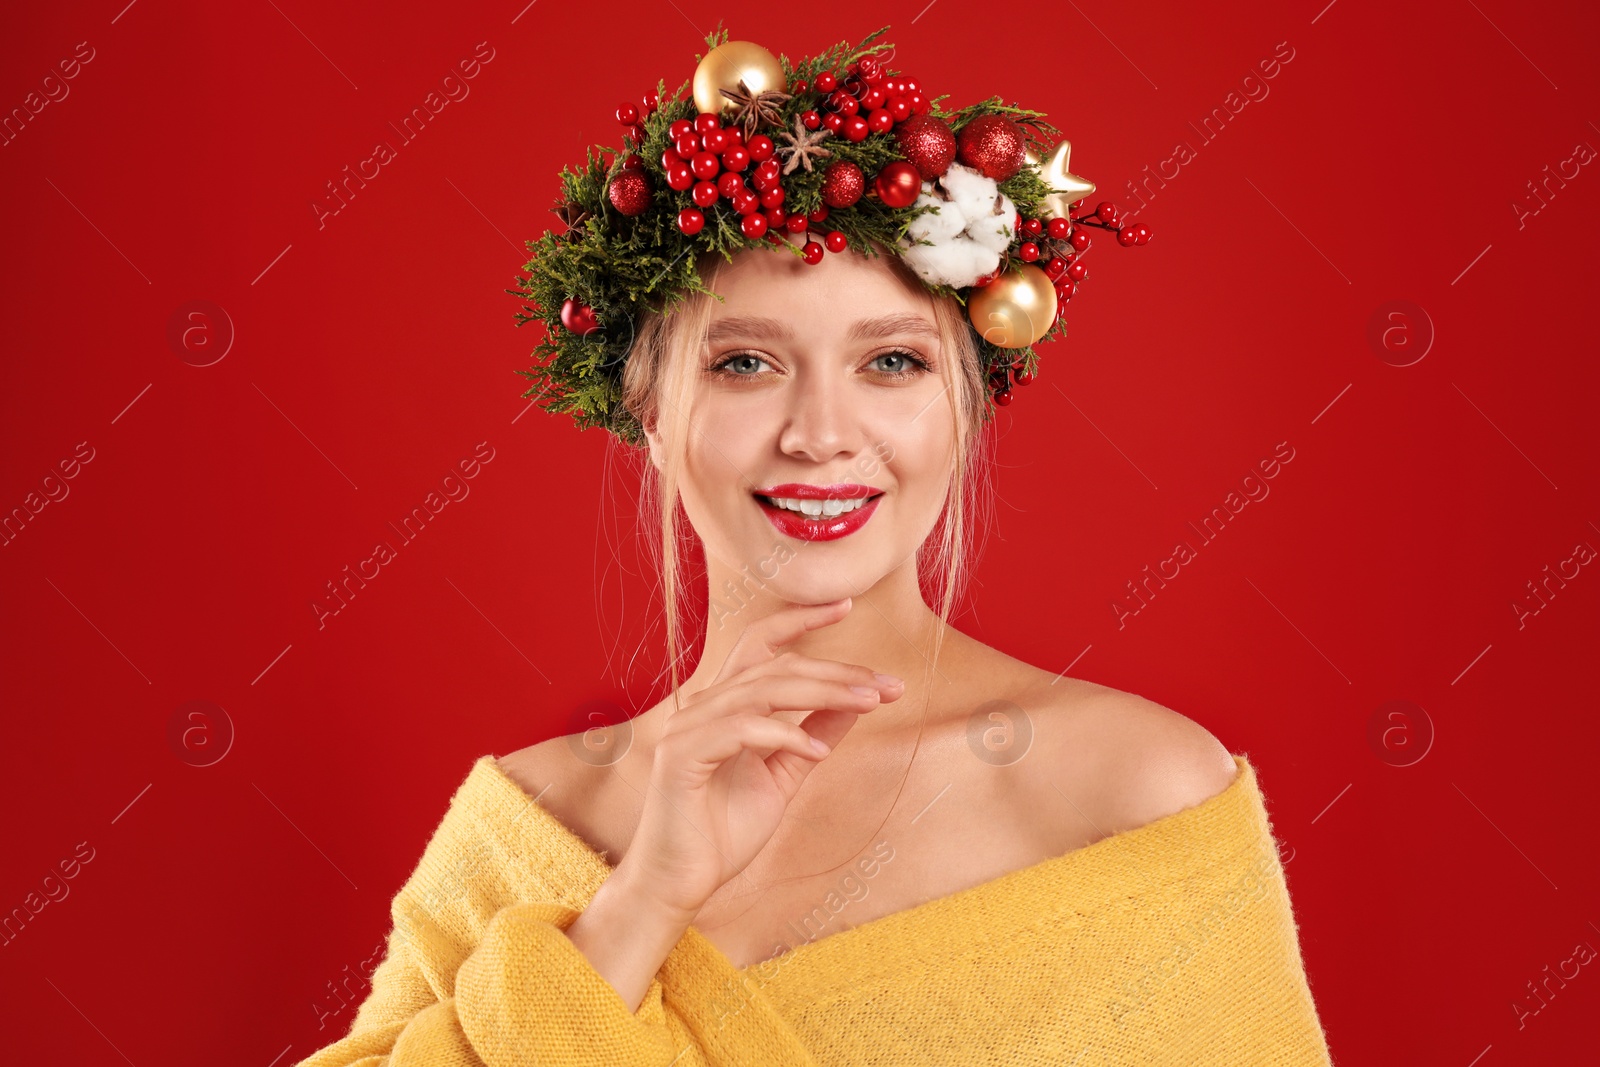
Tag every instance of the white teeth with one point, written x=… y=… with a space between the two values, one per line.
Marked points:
x=817 y=509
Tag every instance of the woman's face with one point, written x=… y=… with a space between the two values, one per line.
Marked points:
x=829 y=378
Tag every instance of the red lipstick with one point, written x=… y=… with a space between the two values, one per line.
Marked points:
x=824 y=527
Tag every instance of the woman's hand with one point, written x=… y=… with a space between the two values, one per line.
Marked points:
x=725 y=770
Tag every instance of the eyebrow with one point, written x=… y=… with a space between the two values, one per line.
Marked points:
x=758 y=328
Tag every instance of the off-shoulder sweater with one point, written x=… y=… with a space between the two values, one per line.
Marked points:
x=1171 y=943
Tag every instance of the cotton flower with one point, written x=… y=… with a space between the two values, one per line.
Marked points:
x=969 y=231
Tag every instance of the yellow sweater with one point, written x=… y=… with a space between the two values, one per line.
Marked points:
x=1172 y=943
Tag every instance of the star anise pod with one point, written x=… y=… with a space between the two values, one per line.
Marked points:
x=802 y=146
x=574 y=215
x=753 y=109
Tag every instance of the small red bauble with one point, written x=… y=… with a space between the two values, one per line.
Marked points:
x=1029 y=252
x=1107 y=212
x=842 y=184
x=1056 y=267
x=754 y=225
x=810 y=120
x=1080 y=240
x=704 y=194
x=705 y=122
x=690 y=221
x=843 y=103
x=834 y=122
x=800 y=86
x=880 y=121
x=813 y=253
x=873 y=99
x=669 y=157
x=628 y=115
x=760 y=147
x=705 y=166
x=735 y=157
x=651 y=100
x=687 y=146
x=729 y=184
x=777 y=218
x=679 y=176
x=1002 y=397
x=629 y=192
x=1078 y=271
x=897 y=184
x=746 y=204
x=819 y=215
x=1024 y=378
x=856 y=128
x=928 y=143
x=680 y=128
x=796 y=224
x=1033 y=227
x=633 y=162
x=899 y=108
x=992 y=145
x=870 y=70
x=1060 y=229
x=837 y=242
x=1127 y=236
x=578 y=318
x=772 y=197
x=716 y=141
x=920 y=105
x=910 y=85
x=825 y=82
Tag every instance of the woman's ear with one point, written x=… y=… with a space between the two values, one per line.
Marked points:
x=652 y=438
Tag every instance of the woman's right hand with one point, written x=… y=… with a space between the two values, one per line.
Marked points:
x=725 y=770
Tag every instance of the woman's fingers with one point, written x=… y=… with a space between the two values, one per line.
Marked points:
x=762 y=638
x=706 y=703
x=714 y=742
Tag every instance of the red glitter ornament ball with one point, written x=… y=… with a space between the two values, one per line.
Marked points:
x=992 y=145
x=926 y=141
x=578 y=317
x=898 y=184
x=842 y=184
x=629 y=192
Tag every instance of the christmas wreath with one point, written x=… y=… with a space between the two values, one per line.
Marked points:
x=977 y=200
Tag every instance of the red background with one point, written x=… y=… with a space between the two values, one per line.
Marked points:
x=374 y=352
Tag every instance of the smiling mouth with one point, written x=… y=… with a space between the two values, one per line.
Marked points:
x=819 y=510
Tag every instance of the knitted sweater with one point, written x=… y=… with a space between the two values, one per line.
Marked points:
x=1171 y=943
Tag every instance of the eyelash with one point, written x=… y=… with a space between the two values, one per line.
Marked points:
x=720 y=366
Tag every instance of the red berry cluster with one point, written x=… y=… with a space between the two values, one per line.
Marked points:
x=867 y=101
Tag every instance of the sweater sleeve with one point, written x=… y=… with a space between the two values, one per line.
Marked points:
x=524 y=994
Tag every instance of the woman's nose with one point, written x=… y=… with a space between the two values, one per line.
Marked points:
x=820 y=420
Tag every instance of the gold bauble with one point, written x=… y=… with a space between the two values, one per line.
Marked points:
x=1067 y=188
x=725 y=65
x=1014 y=310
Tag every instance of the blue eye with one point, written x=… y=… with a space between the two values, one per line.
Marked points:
x=904 y=357
x=745 y=359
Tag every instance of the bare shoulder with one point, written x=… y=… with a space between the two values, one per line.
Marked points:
x=1138 y=760
x=546 y=770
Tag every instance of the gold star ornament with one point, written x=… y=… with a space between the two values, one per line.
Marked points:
x=1067 y=187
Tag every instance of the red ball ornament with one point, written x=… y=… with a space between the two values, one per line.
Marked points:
x=754 y=225
x=633 y=162
x=837 y=242
x=842 y=184
x=926 y=141
x=1024 y=378
x=651 y=100
x=898 y=184
x=578 y=318
x=690 y=221
x=813 y=253
x=992 y=145
x=629 y=192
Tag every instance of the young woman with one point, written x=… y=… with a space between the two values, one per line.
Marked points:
x=853 y=833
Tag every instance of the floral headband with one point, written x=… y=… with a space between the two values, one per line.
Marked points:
x=977 y=201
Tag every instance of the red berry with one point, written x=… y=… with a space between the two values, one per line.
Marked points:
x=772 y=197
x=1107 y=212
x=1029 y=252
x=796 y=224
x=801 y=86
x=715 y=141
x=1060 y=229
x=746 y=203
x=819 y=215
x=633 y=162
x=844 y=103
x=855 y=128
x=679 y=176
x=873 y=99
x=870 y=70
x=735 y=157
x=909 y=85
x=705 y=122
x=834 y=121
x=687 y=145
x=1024 y=377
x=1065 y=288
x=651 y=101
x=1078 y=272
x=1080 y=240
x=1127 y=236
x=880 y=121
x=679 y=128
x=729 y=184
x=1056 y=267
x=826 y=82
x=810 y=120
x=760 y=147
x=1002 y=397
x=669 y=157
x=837 y=242
x=690 y=221
x=628 y=115
x=578 y=317
x=704 y=194
x=753 y=225
x=919 y=103
x=813 y=252
x=777 y=218
x=1033 y=227
x=705 y=166
x=899 y=108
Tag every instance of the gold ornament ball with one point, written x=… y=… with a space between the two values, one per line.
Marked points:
x=725 y=65
x=1014 y=310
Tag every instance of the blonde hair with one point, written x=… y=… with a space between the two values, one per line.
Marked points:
x=658 y=386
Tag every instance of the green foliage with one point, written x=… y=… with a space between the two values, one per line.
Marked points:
x=623 y=267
